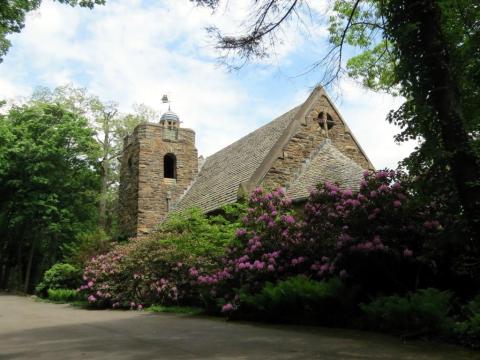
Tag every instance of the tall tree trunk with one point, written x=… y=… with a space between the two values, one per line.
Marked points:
x=441 y=92
x=4 y=262
x=102 y=218
x=3 y=275
x=26 y=285
x=103 y=194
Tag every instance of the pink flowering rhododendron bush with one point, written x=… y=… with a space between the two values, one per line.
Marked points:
x=160 y=269
x=268 y=248
x=378 y=238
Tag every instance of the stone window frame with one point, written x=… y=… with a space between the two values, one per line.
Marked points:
x=321 y=118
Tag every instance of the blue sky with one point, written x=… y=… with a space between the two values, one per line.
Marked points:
x=133 y=51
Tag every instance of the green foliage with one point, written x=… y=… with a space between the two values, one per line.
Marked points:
x=375 y=65
x=468 y=331
x=192 y=233
x=186 y=310
x=422 y=312
x=110 y=128
x=156 y=270
x=299 y=299
x=63 y=295
x=49 y=185
x=59 y=276
x=87 y=245
x=375 y=68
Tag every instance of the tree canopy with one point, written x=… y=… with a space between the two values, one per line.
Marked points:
x=110 y=127
x=49 y=183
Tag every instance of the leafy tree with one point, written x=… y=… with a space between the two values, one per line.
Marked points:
x=110 y=127
x=49 y=184
x=425 y=50
x=13 y=12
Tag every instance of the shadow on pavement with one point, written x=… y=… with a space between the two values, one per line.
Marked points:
x=170 y=336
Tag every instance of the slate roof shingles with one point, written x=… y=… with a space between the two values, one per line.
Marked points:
x=222 y=173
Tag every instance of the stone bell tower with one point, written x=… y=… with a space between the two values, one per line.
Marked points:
x=158 y=164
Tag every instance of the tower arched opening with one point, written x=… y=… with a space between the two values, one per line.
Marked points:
x=170 y=166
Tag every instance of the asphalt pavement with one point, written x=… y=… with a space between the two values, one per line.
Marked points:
x=36 y=330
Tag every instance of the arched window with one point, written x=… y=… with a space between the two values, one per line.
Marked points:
x=170 y=166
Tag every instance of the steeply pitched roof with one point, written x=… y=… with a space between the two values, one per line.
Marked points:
x=245 y=162
x=326 y=164
x=218 y=181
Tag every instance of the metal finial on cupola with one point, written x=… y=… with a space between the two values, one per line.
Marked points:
x=169 y=118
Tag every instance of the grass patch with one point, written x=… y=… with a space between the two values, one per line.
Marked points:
x=63 y=295
x=81 y=304
x=78 y=303
x=175 y=310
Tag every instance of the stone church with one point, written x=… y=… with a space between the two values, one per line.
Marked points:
x=161 y=171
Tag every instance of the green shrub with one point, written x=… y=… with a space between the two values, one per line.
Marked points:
x=87 y=245
x=59 y=276
x=468 y=331
x=63 y=295
x=194 y=234
x=423 y=312
x=158 y=269
x=299 y=299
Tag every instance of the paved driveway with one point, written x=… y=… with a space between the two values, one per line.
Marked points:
x=34 y=330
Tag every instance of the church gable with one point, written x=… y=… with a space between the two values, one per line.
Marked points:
x=317 y=121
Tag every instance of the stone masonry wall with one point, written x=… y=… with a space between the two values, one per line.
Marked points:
x=154 y=193
x=128 y=189
x=307 y=138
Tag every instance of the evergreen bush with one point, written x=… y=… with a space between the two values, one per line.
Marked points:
x=59 y=276
x=299 y=299
x=423 y=312
x=468 y=331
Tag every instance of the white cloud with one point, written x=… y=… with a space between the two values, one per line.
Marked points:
x=133 y=52
x=9 y=90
